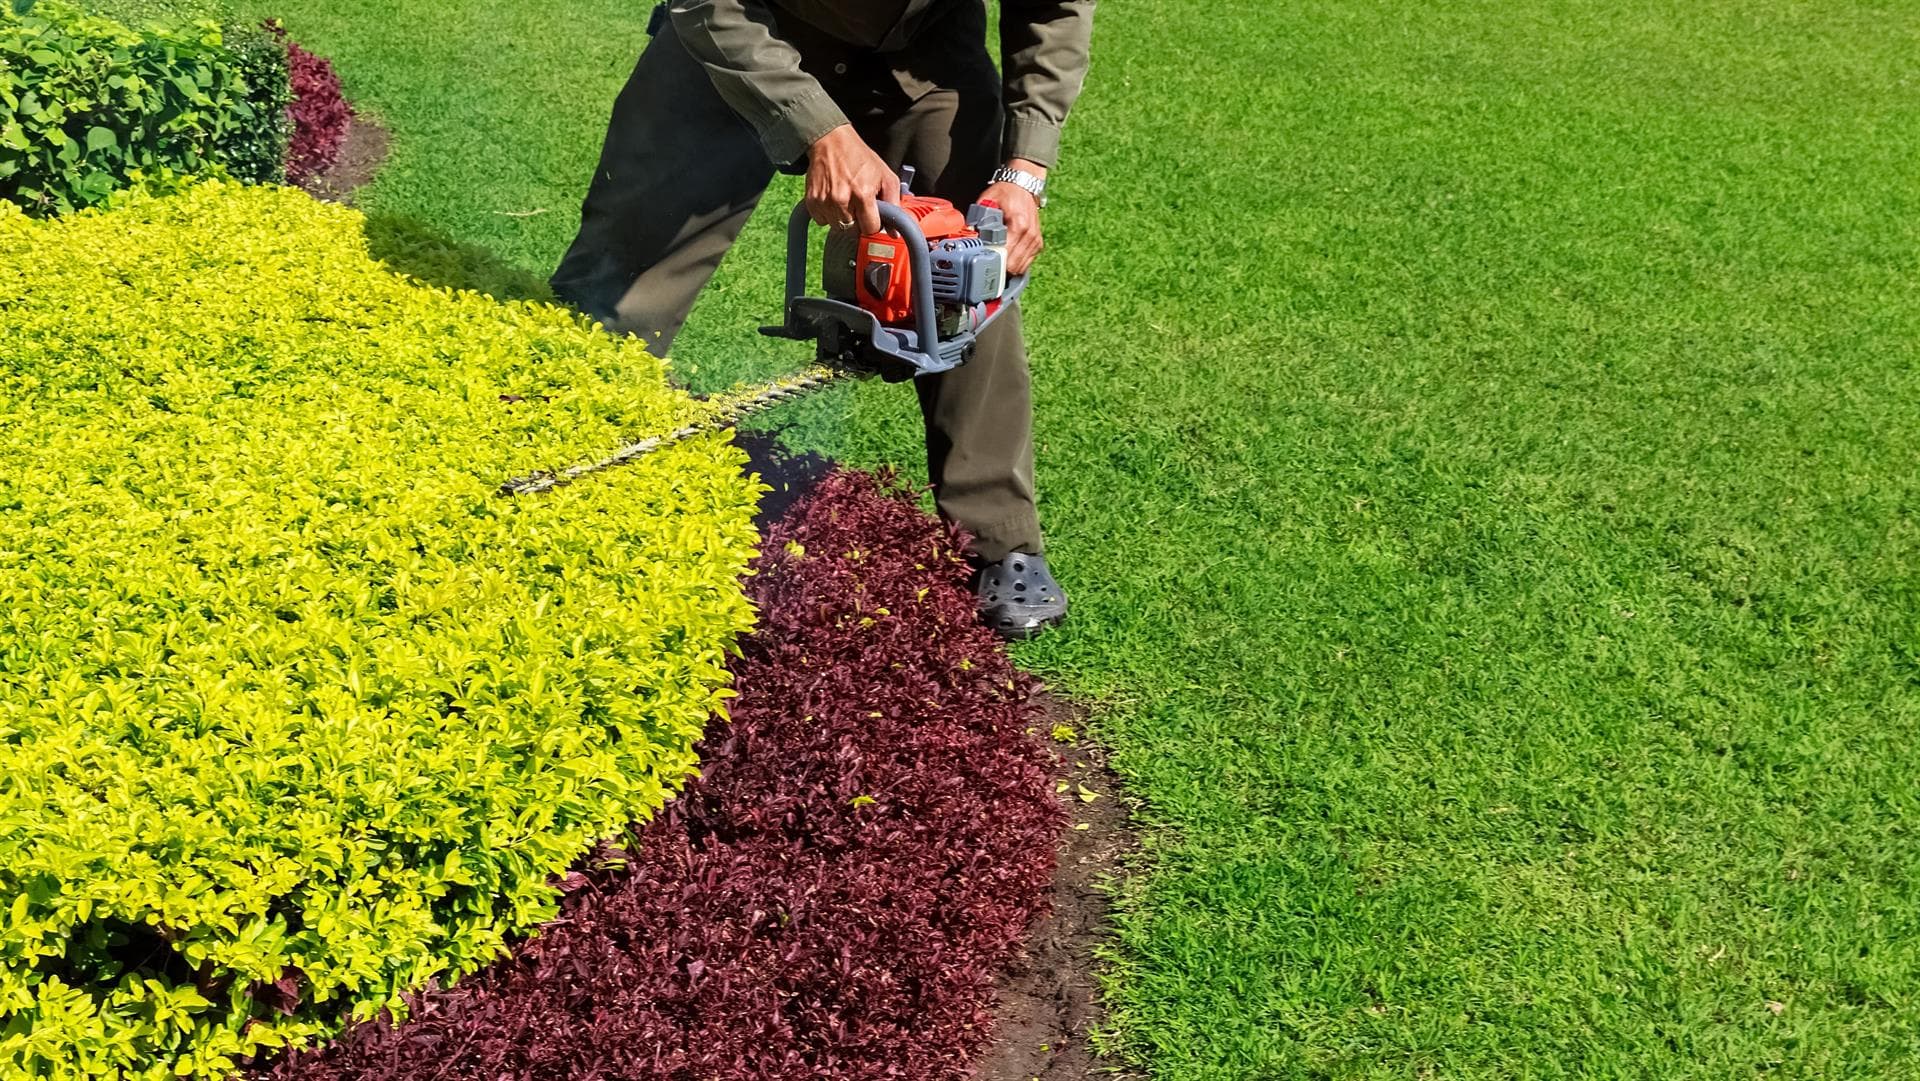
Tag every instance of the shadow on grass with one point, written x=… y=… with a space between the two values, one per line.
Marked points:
x=419 y=251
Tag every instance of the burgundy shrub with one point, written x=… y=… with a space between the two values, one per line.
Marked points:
x=320 y=112
x=872 y=836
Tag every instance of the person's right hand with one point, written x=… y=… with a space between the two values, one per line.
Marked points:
x=845 y=178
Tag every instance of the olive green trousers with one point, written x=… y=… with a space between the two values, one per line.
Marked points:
x=678 y=177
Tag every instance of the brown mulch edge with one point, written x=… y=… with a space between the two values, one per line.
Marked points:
x=362 y=154
x=1047 y=1002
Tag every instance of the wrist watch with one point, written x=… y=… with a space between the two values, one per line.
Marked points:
x=1020 y=178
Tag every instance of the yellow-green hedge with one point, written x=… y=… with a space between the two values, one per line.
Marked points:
x=288 y=693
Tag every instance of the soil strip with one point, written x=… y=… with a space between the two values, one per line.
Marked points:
x=1047 y=1002
x=361 y=155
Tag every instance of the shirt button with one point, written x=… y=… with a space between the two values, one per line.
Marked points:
x=839 y=69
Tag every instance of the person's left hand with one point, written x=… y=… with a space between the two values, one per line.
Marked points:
x=1022 y=212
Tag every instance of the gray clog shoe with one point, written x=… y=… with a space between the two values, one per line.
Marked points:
x=1018 y=596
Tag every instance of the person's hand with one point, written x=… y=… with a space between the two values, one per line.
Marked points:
x=1022 y=212
x=845 y=179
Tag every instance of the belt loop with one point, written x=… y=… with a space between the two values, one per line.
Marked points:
x=656 y=20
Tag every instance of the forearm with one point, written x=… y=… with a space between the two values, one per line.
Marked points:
x=757 y=73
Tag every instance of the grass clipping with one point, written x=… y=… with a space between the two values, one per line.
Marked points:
x=297 y=712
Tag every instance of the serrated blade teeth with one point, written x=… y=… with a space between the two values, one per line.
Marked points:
x=765 y=398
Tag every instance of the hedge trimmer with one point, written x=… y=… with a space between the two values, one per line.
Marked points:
x=906 y=302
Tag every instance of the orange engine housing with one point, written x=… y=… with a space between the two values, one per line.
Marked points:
x=883 y=276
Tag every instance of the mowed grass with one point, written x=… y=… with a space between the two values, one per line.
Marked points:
x=1481 y=443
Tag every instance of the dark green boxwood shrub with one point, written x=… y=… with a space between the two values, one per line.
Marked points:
x=88 y=102
x=261 y=150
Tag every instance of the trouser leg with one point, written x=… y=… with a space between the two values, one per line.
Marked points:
x=979 y=431
x=979 y=417
x=679 y=175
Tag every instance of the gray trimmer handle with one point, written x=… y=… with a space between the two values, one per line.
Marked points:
x=897 y=221
x=1016 y=284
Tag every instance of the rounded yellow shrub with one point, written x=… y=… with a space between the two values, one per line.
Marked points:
x=296 y=711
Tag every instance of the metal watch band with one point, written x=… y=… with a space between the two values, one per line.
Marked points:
x=1022 y=179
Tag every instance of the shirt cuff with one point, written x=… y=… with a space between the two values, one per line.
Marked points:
x=798 y=125
x=1038 y=141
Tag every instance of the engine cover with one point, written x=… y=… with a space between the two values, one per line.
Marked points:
x=965 y=271
x=874 y=271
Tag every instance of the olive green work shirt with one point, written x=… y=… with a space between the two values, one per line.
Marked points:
x=747 y=49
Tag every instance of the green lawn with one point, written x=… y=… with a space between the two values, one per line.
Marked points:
x=1483 y=443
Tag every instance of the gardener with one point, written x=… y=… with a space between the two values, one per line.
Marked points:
x=728 y=91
